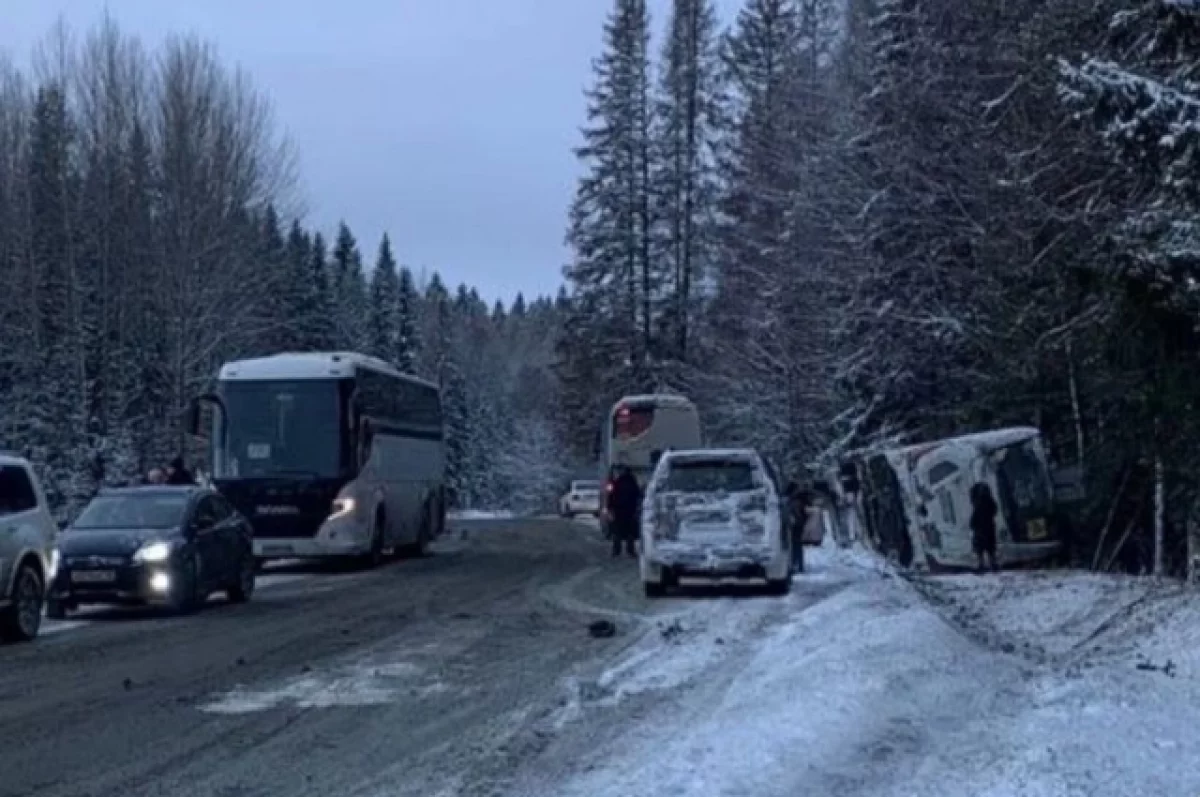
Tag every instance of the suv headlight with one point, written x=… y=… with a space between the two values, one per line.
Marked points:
x=55 y=562
x=153 y=552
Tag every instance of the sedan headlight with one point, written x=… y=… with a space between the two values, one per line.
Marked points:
x=153 y=552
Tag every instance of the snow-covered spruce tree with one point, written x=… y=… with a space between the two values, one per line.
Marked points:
x=272 y=260
x=407 y=340
x=317 y=322
x=349 y=290
x=611 y=275
x=384 y=293
x=744 y=387
x=294 y=290
x=58 y=414
x=688 y=120
x=436 y=331
x=1142 y=100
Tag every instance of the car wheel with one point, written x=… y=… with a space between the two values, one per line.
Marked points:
x=22 y=620
x=241 y=590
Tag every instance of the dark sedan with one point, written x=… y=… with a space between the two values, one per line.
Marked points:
x=168 y=546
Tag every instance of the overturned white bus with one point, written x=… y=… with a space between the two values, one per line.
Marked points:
x=917 y=508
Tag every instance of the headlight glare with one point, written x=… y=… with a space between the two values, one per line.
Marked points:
x=153 y=552
x=342 y=506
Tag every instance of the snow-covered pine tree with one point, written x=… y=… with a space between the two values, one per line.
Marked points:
x=739 y=388
x=274 y=267
x=407 y=342
x=318 y=330
x=349 y=290
x=384 y=296
x=436 y=331
x=1142 y=100
x=295 y=287
x=58 y=416
x=688 y=123
x=612 y=275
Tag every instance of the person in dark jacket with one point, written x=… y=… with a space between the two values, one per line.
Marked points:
x=983 y=525
x=624 y=504
x=178 y=474
x=798 y=503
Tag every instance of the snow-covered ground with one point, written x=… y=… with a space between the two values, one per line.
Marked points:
x=1033 y=684
x=479 y=514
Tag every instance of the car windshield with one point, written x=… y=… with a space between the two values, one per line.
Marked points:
x=153 y=511
x=586 y=486
x=710 y=476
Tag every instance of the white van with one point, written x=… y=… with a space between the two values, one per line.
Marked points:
x=713 y=513
x=27 y=534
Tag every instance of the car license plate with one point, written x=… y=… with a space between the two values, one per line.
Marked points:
x=93 y=576
x=276 y=550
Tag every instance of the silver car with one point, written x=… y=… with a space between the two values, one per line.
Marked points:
x=27 y=534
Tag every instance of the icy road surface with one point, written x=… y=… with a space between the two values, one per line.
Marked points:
x=471 y=672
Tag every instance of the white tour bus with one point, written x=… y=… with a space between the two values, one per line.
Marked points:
x=328 y=454
x=639 y=429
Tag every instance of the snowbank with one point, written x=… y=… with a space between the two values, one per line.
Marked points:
x=871 y=692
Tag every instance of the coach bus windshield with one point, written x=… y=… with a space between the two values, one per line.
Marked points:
x=281 y=428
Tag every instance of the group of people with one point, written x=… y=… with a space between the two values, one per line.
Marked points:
x=176 y=473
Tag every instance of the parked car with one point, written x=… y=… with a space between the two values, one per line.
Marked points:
x=713 y=513
x=27 y=533
x=164 y=545
x=583 y=498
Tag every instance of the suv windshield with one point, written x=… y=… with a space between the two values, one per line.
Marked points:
x=132 y=512
x=710 y=476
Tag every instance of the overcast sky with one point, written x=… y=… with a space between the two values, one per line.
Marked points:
x=447 y=123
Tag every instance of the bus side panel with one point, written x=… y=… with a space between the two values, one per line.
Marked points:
x=409 y=470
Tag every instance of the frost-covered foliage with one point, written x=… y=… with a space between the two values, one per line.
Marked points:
x=144 y=239
x=936 y=216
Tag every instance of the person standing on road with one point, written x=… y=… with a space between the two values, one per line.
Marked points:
x=983 y=524
x=624 y=503
x=798 y=503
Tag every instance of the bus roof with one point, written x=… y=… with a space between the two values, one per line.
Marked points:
x=655 y=399
x=310 y=365
x=991 y=440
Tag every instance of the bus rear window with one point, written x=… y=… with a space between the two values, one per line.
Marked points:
x=630 y=422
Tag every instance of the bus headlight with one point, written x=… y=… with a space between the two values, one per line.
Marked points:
x=342 y=507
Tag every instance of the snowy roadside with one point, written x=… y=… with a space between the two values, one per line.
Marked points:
x=871 y=692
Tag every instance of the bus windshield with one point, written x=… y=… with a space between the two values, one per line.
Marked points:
x=281 y=428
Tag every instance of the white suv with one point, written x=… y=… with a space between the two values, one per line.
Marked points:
x=27 y=534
